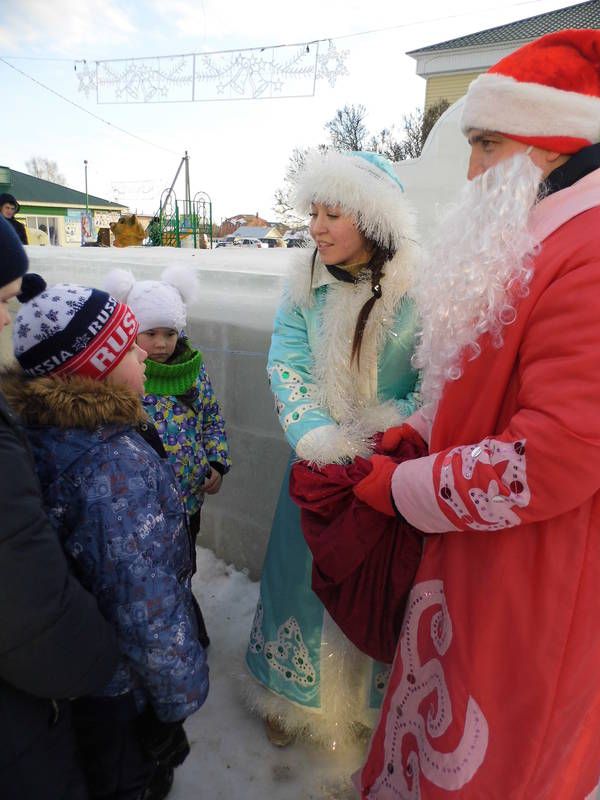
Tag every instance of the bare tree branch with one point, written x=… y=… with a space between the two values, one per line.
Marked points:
x=44 y=168
x=347 y=130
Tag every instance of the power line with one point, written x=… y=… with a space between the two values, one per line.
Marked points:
x=86 y=111
x=435 y=19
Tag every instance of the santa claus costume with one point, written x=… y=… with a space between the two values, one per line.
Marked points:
x=495 y=689
x=306 y=676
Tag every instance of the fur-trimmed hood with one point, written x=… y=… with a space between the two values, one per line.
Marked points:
x=299 y=288
x=70 y=402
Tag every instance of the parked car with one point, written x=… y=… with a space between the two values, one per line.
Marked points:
x=224 y=243
x=248 y=242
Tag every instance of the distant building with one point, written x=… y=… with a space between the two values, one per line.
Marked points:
x=231 y=224
x=449 y=67
x=55 y=210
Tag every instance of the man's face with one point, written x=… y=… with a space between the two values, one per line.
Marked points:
x=488 y=148
x=8 y=210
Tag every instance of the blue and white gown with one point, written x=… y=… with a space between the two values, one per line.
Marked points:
x=306 y=672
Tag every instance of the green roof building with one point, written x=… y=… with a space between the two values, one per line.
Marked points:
x=51 y=212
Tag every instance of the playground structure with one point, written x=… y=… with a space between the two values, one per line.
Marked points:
x=182 y=223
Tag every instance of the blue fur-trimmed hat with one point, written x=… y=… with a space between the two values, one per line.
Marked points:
x=365 y=186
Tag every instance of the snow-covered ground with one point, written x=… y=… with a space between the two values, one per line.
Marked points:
x=231 y=758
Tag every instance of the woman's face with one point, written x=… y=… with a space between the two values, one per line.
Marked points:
x=337 y=238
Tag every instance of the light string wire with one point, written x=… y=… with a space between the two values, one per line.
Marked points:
x=87 y=111
x=6 y=62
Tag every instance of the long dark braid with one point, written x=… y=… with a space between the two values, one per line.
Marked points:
x=379 y=258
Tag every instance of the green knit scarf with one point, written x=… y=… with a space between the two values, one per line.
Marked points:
x=175 y=377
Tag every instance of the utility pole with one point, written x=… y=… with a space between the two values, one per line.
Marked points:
x=86 y=191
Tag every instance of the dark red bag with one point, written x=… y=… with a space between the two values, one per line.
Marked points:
x=364 y=562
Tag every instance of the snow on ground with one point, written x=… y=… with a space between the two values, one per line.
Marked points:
x=231 y=758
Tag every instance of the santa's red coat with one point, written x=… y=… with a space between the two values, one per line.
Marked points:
x=495 y=689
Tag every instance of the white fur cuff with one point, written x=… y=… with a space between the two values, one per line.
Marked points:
x=331 y=444
x=377 y=419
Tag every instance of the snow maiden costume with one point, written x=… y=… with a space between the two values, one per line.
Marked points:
x=310 y=677
x=495 y=689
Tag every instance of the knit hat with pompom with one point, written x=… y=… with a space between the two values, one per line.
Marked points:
x=67 y=329
x=156 y=304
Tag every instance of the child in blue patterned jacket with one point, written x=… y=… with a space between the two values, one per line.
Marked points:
x=118 y=512
x=179 y=396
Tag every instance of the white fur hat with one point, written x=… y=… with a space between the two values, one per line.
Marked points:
x=156 y=304
x=364 y=185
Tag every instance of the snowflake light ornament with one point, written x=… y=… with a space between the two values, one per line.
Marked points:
x=330 y=64
x=249 y=74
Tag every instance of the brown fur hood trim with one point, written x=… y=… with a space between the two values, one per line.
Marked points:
x=69 y=402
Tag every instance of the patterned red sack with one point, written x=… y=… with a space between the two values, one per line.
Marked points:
x=364 y=562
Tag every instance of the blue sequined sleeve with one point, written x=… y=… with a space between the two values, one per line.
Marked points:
x=289 y=368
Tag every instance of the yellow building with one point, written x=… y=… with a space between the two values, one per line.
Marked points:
x=449 y=67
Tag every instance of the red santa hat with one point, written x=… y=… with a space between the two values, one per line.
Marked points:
x=545 y=94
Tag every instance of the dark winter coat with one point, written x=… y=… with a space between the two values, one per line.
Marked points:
x=116 y=507
x=53 y=641
x=19 y=229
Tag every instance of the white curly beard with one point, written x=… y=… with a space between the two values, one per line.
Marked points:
x=474 y=270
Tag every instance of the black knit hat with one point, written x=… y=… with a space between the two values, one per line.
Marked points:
x=5 y=197
x=13 y=258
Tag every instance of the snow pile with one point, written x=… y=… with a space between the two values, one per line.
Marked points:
x=231 y=757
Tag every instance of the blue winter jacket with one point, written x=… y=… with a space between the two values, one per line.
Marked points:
x=115 y=505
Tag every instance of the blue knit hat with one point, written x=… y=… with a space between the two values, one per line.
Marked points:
x=13 y=258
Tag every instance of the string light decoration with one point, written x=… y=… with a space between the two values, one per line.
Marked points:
x=249 y=74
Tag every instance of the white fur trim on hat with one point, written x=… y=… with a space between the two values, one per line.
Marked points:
x=362 y=189
x=500 y=103
x=156 y=304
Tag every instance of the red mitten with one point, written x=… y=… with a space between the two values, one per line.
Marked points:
x=376 y=489
x=390 y=441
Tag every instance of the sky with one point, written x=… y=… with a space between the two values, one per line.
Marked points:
x=238 y=149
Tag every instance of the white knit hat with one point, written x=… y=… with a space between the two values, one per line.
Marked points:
x=365 y=186
x=156 y=304
x=545 y=94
